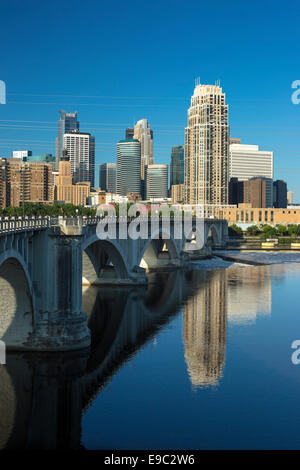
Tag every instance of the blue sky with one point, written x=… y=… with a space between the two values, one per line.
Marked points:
x=117 y=62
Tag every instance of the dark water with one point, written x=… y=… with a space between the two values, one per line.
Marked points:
x=201 y=360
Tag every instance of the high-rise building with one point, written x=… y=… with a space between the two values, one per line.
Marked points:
x=280 y=194
x=128 y=167
x=258 y=192
x=156 y=181
x=80 y=148
x=144 y=135
x=66 y=123
x=207 y=147
x=65 y=190
x=28 y=182
x=22 y=154
x=177 y=165
x=247 y=161
x=108 y=177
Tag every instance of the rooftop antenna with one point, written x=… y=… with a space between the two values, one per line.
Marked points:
x=197 y=81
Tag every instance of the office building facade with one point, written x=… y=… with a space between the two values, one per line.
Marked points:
x=80 y=147
x=108 y=177
x=128 y=167
x=67 y=192
x=177 y=165
x=66 y=123
x=247 y=161
x=156 y=181
x=207 y=147
x=279 y=194
x=258 y=192
x=28 y=182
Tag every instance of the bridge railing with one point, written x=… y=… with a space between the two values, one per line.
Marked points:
x=20 y=224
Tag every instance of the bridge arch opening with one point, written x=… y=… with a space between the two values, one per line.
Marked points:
x=159 y=252
x=16 y=308
x=101 y=261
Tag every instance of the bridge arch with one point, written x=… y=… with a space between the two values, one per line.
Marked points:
x=17 y=304
x=161 y=244
x=103 y=257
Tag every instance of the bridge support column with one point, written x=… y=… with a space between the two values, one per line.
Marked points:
x=60 y=323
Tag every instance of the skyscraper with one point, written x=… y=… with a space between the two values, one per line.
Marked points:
x=144 y=135
x=66 y=123
x=177 y=165
x=107 y=177
x=80 y=148
x=207 y=147
x=156 y=181
x=128 y=167
x=247 y=161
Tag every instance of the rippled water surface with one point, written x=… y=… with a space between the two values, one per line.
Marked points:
x=199 y=360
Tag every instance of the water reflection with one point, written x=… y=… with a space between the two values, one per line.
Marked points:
x=42 y=397
x=249 y=293
x=204 y=330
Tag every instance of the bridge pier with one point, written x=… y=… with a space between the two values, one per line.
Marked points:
x=60 y=323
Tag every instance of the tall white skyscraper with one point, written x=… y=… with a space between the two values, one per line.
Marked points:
x=144 y=135
x=80 y=148
x=207 y=147
x=247 y=161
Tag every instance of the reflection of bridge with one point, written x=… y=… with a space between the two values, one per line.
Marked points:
x=42 y=396
x=43 y=262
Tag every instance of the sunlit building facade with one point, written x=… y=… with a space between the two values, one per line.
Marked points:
x=207 y=147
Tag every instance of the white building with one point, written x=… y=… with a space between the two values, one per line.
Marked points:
x=247 y=161
x=81 y=152
x=21 y=154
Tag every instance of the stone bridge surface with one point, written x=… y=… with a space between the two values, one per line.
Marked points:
x=45 y=261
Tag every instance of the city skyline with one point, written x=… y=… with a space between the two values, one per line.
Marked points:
x=109 y=100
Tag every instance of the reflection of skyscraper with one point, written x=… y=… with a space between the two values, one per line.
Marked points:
x=204 y=331
x=249 y=293
x=66 y=123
